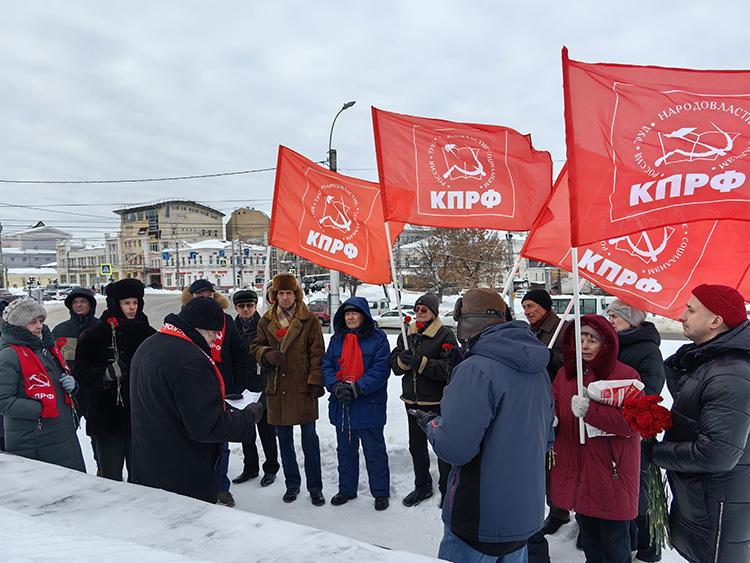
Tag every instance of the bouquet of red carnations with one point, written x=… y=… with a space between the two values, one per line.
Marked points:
x=647 y=417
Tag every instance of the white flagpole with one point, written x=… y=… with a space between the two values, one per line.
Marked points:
x=395 y=285
x=579 y=358
x=563 y=319
x=509 y=283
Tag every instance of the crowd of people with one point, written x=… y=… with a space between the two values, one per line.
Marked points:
x=498 y=402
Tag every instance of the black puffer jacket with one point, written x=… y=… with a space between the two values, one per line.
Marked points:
x=706 y=453
x=424 y=386
x=94 y=354
x=639 y=348
x=247 y=330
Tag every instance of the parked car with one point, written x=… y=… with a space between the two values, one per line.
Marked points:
x=390 y=319
x=319 y=308
x=58 y=291
x=590 y=304
x=7 y=296
x=379 y=306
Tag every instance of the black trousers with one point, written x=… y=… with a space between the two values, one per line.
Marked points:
x=605 y=541
x=420 y=455
x=112 y=451
x=267 y=434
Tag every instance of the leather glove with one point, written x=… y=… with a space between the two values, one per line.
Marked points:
x=423 y=418
x=68 y=383
x=405 y=357
x=317 y=391
x=343 y=392
x=256 y=409
x=275 y=358
x=356 y=390
x=113 y=372
x=416 y=361
x=579 y=405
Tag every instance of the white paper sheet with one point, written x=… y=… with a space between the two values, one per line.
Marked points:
x=247 y=398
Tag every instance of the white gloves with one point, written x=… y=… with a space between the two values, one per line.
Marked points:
x=579 y=405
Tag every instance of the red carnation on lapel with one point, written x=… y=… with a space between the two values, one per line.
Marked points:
x=113 y=322
x=420 y=325
x=280 y=334
x=447 y=346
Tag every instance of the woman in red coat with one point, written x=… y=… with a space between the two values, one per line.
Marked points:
x=600 y=479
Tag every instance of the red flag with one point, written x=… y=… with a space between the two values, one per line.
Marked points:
x=650 y=146
x=445 y=174
x=654 y=270
x=334 y=221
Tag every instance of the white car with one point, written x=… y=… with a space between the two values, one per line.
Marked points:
x=390 y=319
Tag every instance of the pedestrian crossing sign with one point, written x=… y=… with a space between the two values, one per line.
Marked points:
x=105 y=269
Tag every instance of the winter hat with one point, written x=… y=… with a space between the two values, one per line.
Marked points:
x=203 y=313
x=431 y=301
x=540 y=297
x=350 y=307
x=631 y=315
x=592 y=332
x=124 y=289
x=723 y=301
x=81 y=292
x=481 y=301
x=285 y=282
x=22 y=311
x=245 y=296
x=200 y=285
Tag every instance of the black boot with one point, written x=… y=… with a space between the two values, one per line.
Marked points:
x=268 y=479
x=290 y=495
x=381 y=503
x=340 y=498
x=317 y=498
x=417 y=496
x=244 y=476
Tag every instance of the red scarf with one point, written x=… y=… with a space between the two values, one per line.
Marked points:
x=351 y=365
x=217 y=343
x=172 y=330
x=36 y=380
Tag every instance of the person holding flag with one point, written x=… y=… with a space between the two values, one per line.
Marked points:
x=355 y=372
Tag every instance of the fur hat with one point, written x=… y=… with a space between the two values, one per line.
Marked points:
x=286 y=282
x=124 y=289
x=203 y=313
x=724 y=301
x=540 y=297
x=245 y=296
x=22 y=311
x=634 y=317
x=431 y=301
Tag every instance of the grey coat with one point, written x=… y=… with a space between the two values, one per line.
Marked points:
x=52 y=440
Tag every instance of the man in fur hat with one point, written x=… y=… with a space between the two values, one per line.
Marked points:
x=229 y=354
x=290 y=344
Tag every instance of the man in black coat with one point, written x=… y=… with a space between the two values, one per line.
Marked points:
x=179 y=419
x=705 y=453
x=82 y=306
x=246 y=323
x=230 y=355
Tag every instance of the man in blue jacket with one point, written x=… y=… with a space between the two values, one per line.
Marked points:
x=356 y=367
x=495 y=429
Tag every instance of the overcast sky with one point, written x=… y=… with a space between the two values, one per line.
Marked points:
x=136 y=89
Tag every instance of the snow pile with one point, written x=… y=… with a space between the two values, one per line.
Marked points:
x=49 y=512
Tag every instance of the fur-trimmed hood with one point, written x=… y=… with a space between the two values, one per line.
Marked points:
x=218 y=297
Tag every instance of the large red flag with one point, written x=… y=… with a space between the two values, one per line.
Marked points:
x=334 y=221
x=445 y=174
x=650 y=146
x=654 y=270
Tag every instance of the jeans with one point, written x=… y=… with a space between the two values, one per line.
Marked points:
x=224 y=468
x=453 y=548
x=267 y=434
x=605 y=541
x=376 y=461
x=311 y=450
x=420 y=455
x=112 y=450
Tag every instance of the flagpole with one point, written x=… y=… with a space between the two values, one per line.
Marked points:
x=579 y=357
x=509 y=282
x=562 y=319
x=395 y=285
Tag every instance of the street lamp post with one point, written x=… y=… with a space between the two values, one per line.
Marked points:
x=332 y=165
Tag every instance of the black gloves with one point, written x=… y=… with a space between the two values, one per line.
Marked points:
x=405 y=357
x=256 y=409
x=275 y=358
x=416 y=361
x=345 y=392
x=423 y=418
x=316 y=391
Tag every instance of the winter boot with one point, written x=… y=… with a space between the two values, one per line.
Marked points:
x=290 y=495
x=317 y=498
x=244 y=476
x=268 y=479
x=417 y=496
x=225 y=499
x=381 y=503
x=340 y=498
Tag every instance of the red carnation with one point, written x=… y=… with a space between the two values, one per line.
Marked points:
x=280 y=334
x=447 y=346
x=113 y=322
x=407 y=319
x=646 y=416
x=420 y=325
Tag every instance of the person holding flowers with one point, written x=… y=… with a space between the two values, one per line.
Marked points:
x=598 y=479
x=426 y=371
x=639 y=348
x=289 y=343
x=705 y=453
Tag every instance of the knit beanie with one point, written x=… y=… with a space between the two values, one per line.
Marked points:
x=244 y=296
x=431 y=301
x=634 y=317
x=200 y=285
x=724 y=301
x=540 y=297
x=22 y=311
x=592 y=332
x=203 y=313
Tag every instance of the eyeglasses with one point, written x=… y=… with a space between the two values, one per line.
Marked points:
x=421 y=310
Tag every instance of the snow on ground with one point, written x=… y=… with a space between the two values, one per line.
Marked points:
x=417 y=530
x=152 y=291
